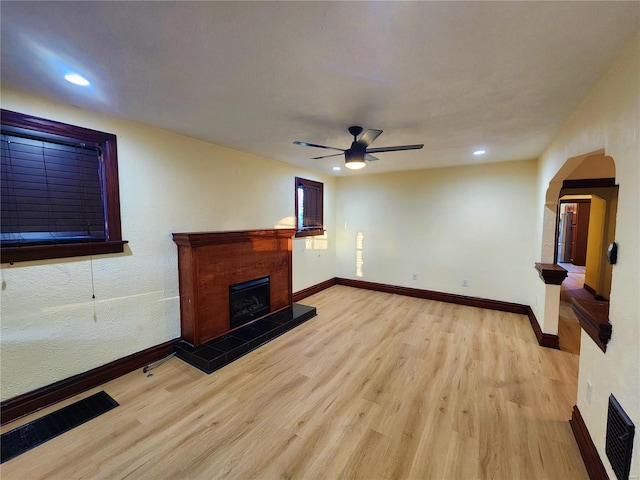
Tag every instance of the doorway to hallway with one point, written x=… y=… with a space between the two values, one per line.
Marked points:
x=568 y=325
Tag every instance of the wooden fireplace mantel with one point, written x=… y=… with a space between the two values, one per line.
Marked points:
x=209 y=262
x=197 y=239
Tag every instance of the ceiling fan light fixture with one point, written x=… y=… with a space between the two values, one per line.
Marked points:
x=354 y=164
x=354 y=160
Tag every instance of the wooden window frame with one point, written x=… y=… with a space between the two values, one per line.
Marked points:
x=302 y=231
x=108 y=145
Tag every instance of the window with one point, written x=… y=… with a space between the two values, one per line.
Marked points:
x=59 y=190
x=309 y=208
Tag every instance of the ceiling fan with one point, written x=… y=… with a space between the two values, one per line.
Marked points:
x=355 y=156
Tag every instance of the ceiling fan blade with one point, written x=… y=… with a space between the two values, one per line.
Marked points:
x=393 y=149
x=369 y=136
x=306 y=144
x=326 y=156
x=370 y=158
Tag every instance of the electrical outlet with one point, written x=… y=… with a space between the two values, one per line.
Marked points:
x=415 y=276
x=589 y=393
x=465 y=282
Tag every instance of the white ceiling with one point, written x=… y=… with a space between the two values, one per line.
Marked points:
x=255 y=76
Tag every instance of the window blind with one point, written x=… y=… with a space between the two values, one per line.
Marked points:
x=310 y=205
x=51 y=192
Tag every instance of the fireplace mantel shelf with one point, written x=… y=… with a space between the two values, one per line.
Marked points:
x=195 y=239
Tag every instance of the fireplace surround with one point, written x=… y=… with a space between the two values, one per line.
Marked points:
x=211 y=263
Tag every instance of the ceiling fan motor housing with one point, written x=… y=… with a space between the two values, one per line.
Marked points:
x=354 y=157
x=357 y=150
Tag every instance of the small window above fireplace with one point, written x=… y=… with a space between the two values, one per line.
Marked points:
x=309 y=207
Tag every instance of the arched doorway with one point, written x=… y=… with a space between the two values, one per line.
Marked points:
x=588 y=181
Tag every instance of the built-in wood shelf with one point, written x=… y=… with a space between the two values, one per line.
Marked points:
x=209 y=262
x=551 y=274
x=593 y=316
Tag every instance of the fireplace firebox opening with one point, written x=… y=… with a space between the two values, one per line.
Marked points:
x=248 y=301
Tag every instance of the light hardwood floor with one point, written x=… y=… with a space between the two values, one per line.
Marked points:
x=376 y=386
x=569 y=330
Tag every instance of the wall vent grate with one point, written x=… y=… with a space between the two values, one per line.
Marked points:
x=620 y=431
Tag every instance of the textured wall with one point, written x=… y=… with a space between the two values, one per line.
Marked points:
x=52 y=328
x=444 y=225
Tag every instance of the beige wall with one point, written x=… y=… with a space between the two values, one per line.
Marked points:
x=594 y=166
x=609 y=119
x=444 y=225
x=51 y=327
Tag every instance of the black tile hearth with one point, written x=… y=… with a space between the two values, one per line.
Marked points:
x=252 y=336
x=234 y=347
x=223 y=350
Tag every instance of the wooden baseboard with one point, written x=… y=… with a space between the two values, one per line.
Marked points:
x=307 y=292
x=590 y=289
x=544 y=339
x=590 y=456
x=43 y=397
x=438 y=296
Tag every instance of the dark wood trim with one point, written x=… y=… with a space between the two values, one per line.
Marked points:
x=438 y=296
x=576 y=200
x=52 y=127
x=547 y=340
x=107 y=142
x=44 y=252
x=590 y=289
x=590 y=456
x=30 y=402
x=551 y=274
x=311 y=232
x=313 y=289
x=593 y=316
x=589 y=183
x=317 y=209
x=112 y=188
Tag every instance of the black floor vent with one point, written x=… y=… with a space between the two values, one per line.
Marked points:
x=620 y=430
x=39 y=431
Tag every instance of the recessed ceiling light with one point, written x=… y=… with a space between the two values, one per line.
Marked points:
x=336 y=169
x=479 y=152
x=77 y=79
